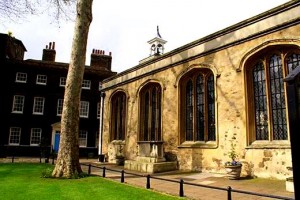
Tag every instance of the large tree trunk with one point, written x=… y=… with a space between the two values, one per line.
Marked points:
x=67 y=164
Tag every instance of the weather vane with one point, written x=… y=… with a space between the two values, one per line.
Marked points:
x=158 y=32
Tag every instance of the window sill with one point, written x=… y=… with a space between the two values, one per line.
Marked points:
x=269 y=145
x=17 y=112
x=202 y=145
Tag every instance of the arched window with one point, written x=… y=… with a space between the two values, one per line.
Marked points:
x=118 y=116
x=266 y=94
x=150 y=113
x=197 y=93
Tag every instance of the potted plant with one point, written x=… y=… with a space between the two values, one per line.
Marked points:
x=233 y=167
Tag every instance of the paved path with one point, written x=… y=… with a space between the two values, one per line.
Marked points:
x=258 y=185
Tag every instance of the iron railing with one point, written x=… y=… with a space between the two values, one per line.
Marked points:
x=182 y=183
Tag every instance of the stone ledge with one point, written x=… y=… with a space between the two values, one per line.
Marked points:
x=148 y=167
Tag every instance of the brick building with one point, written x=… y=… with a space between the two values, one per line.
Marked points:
x=32 y=97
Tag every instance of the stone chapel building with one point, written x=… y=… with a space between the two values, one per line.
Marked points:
x=185 y=108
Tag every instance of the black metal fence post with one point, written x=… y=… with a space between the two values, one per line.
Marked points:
x=148 y=182
x=13 y=158
x=181 y=193
x=103 y=172
x=228 y=193
x=122 y=176
x=89 y=171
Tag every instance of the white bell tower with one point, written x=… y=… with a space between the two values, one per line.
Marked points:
x=157 y=45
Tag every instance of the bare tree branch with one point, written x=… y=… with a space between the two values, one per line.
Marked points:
x=20 y=10
x=13 y=10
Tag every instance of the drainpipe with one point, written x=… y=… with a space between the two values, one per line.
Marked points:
x=101 y=155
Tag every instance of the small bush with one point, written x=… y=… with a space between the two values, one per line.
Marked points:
x=47 y=173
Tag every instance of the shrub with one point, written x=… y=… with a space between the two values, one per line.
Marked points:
x=47 y=173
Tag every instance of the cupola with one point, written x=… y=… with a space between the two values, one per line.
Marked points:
x=157 y=45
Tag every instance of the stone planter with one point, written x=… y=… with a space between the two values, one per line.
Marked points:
x=233 y=171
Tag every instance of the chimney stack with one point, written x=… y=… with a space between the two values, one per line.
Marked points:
x=100 y=60
x=49 y=52
x=11 y=48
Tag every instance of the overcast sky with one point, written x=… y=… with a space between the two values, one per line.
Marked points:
x=125 y=27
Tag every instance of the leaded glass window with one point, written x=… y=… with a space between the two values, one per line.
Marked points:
x=260 y=100
x=189 y=111
x=277 y=99
x=198 y=106
x=270 y=111
x=118 y=116
x=150 y=116
x=211 y=108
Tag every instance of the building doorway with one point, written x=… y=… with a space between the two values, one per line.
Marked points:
x=56 y=141
x=55 y=137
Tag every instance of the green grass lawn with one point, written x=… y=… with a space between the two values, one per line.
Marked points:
x=23 y=181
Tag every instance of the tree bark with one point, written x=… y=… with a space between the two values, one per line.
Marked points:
x=67 y=164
